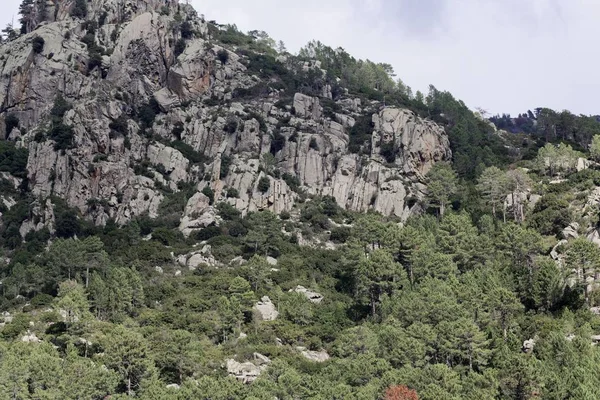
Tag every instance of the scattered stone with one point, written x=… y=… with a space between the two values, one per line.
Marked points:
x=247 y=372
x=173 y=386
x=260 y=359
x=309 y=294
x=272 y=261
x=571 y=231
x=528 y=345
x=30 y=338
x=198 y=258
x=266 y=309
x=159 y=270
x=316 y=356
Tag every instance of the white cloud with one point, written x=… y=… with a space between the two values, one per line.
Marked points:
x=502 y=55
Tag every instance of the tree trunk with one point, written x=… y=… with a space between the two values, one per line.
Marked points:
x=373 y=304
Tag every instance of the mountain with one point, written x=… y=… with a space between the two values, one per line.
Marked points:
x=192 y=212
x=143 y=98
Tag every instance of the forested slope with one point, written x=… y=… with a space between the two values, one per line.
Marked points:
x=191 y=212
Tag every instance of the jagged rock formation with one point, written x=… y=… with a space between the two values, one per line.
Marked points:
x=154 y=107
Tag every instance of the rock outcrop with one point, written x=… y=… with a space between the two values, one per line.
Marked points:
x=247 y=372
x=154 y=110
x=312 y=296
x=266 y=309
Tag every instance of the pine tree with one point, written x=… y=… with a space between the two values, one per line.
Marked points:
x=442 y=186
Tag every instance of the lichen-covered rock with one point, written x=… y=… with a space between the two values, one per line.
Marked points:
x=266 y=309
x=312 y=296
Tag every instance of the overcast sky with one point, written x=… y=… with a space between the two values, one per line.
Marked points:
x=501 y=55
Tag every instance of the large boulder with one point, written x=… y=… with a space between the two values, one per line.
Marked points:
x=266 y=309
x=312 y=296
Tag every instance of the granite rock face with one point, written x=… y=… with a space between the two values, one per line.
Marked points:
x=153 y=112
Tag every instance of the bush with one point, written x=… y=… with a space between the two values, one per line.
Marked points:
x=360 y=134
x=186 y=30
x=119 y=125
x=264 y=184
x=313 y=144
x=225 y=164
x=147 y=112
x=177 y=130
x=292 y=181
x=340 y=235
x=19 y=324
x=11 y=122
x=67 y=224
x=79 y=9
x=208 y=192
x=165 y=236
x=208 y=233
x=388 y=151
x=228 y=212
x=38 y=44
x=223 y=56
x=277 y=143
x=231 y=125
x=42 y=299
x=189 y=152
x=179 y=47
x=233 y=193
x=62 y=135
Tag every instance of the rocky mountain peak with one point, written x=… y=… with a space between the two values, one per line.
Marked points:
x=36 y=12
x=123 y=104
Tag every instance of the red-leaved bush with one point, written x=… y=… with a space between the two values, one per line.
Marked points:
x=400 y=392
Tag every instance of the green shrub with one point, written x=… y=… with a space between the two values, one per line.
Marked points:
x=119 y=125
x=228 y=212
x=292 y=181
x=17 y=326
x=80 y=9
x=11 y=121
x=38 y=44
x=277 y=142
x=208 y=192
x=186 y=30
x=388 y=151
x=360 y=134
x=233 y=193
x=13 y=159
x=264 y=184
x=208 y=233
x=313 y=144
x=189 y=152
x=67 y=224
x=42 y=299
x=147 y=112
x=223 y=56
x=231 y=125
x=177 y=130
x=225 y=165
x=179 y=47
x=340 y=234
